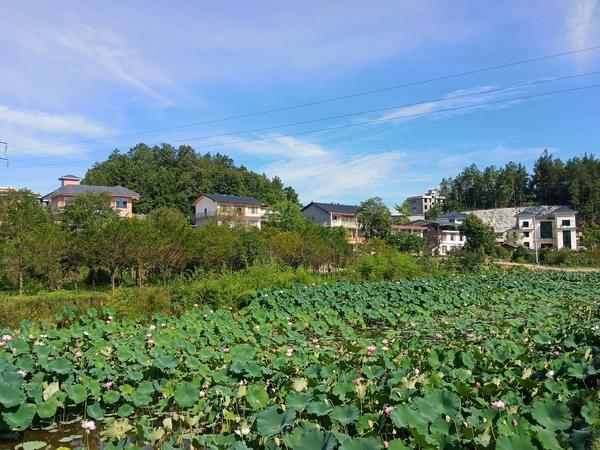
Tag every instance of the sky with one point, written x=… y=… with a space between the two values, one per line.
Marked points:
x=79 y=79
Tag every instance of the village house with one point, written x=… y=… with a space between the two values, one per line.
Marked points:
x=420 y=204
x=228 y=209
x=442 y=234
x=547 y=229
x=121 y=198
x=335 y=215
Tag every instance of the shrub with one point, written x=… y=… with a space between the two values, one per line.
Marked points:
x=388 y=265
x=522 y=255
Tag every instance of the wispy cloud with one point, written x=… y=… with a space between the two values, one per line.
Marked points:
x=582 y=23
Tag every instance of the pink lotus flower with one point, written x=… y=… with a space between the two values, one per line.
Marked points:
x=2 y=343
x=550 y=374
x=514 y=422
x=388 y=410
x=477 y=384
x=289 y=352
x=202 y=394
x=88 y=425
x=7 y=338
x=499 y=404
x=358 y=380
x=152 y=327
x=22 y=372
x=148 y=335
x=150 y=342
x=371 y=349
x=439 y=336
x=107 y=385
x=225 y=349
x=273 y=350
x=78 y=354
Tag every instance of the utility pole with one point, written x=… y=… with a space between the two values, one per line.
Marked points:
x=537 y=256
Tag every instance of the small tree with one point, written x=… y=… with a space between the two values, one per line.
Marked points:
x=404 y=241
x=374 y=217
x=403 y=211
x=286 y=216
x=479 y=236
x=434 y=212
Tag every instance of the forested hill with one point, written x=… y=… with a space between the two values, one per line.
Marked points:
x=575 y=182
x=169 y=176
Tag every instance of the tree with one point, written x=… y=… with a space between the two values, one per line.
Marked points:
x=434 y=212
x=548 y=182
x=173 y=241
x=479 y=236
x=286 y=216
x=46 y=250
x=20 y=215
x=404 y=241
x=403 y=211
x=374 y=218
x=175 y=177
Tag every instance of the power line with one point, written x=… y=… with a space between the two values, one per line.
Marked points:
x=378 y=121
x=323 y=101
x=341 y=116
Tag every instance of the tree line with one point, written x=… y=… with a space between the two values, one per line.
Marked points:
x=89 y=243
x=575 y=182
x=175 y=177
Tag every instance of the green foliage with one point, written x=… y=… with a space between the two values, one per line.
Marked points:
x=479 y=236
x=448 y=362
x=175 y=177
x=388 y=264
x=286 y=216
x=403 y=241
x=374 y=218
x=403 y=211
x=434 y=212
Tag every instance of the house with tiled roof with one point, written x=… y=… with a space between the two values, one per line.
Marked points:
x=121 y=198
x=335 y=215
x=546 y=227
x=230 y=209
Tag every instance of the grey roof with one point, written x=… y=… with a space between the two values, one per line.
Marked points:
x=564 y=210
x=233 y=199
x=74 y=177
x=453 y=215
x=74 y=189
x=334 y=208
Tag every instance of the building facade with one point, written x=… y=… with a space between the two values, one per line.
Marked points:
x=335 y=215
x=556 y=228
x=121 y=198
x=443 y=234
x=420 y=204
x=230 y=209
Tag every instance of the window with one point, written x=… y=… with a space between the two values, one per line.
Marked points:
x=546 y=230
x=526 y=234
x=335 y=217
x=451 y=237
x=253 y=210
x=205 y=212
x=121 y=203
x=525 y=224
x=526 y=244
x=567 y=239
x=566 y=223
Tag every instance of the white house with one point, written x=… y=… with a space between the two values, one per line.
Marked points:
x=231 y=209
x=334 y=215
x=442 y=234
x=555 y=228
x=420 y=204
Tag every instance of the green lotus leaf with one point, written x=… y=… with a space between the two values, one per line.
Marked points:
x=271 y=421
x=125 y=410
x=111 y=397
x=514 y=443
x=298 y=400
x=257 y=397
x=21 y=418
x=95 y=411
x=397 y=444
x=186 y=394
x=318 y=408
x=11 y=395
x=591 y=412
x=368 y=443
x=32 y=445
x=315 y=440
x=76 y=392
x=551 y=414
x=404 y=416
x=47 y=409
x=61 y=366
x=165 y=361
x=344 y=415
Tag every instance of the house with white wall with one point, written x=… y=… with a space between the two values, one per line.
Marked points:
x=443 y=234
x=554 y=228
x=228 y=209
x=420 y=204
x=335 y=215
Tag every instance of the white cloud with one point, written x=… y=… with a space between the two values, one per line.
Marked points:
x=581 y=30
x=31 y=132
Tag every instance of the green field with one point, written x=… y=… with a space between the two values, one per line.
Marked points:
x=505 y=361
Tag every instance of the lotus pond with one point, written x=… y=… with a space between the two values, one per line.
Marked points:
x=507 y=361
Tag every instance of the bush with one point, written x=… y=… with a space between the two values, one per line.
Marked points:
x=467 y=261
x=404 y=241
x=388 y=265
x=522 y=255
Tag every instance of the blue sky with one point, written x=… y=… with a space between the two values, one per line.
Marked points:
x=73 y=71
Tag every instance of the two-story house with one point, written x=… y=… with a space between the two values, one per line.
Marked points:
x=554 y=227
x=228 y=209
x=121 y=198
x=335 y=215
x=443 y=234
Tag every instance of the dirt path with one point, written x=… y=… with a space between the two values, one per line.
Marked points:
x=538 y=267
